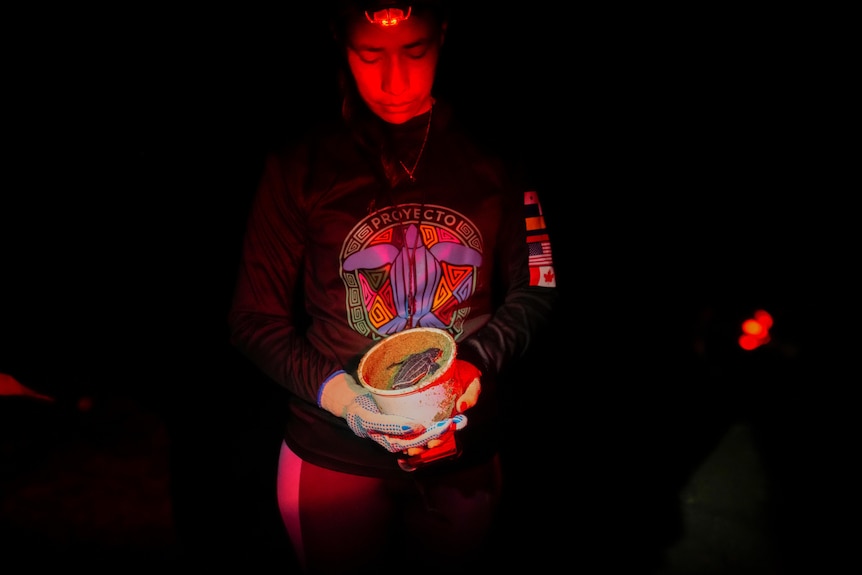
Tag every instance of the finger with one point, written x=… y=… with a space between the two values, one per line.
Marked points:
x=434 y=443
x=470 y=396
x=420 y=440
x=388 y=424
x=460 y=421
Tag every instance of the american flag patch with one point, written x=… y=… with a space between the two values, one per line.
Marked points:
x=538 y=243
x=540 y=254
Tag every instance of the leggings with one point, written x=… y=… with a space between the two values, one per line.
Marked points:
x=343 y=523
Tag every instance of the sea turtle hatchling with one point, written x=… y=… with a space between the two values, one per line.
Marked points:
x=415 y=366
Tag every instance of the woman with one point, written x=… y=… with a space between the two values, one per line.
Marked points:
x=390 y=220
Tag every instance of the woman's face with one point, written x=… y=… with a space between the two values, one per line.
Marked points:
x=394 y=66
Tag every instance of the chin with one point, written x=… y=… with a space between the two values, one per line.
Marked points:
x=396 y=115
x=394 y=118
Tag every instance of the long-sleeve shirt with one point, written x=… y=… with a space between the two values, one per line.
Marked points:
x=342 y=248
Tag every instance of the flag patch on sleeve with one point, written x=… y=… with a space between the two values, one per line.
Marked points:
x=538 y=243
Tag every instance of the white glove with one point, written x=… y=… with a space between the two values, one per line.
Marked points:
x=342 y=396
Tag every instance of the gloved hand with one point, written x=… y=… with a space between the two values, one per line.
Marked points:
x=343 y=397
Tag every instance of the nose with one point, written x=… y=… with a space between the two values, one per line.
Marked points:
x=395 y=79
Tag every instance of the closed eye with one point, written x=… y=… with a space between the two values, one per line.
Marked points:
x=370 y=56
x=416 y=52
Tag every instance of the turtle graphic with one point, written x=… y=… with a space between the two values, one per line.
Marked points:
x=415 y=366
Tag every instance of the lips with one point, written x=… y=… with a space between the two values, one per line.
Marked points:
x=399 y=106
x=396 y=113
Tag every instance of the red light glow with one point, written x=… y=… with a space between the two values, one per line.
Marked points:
x=748 y=342
x=753 y=327
x=755 y=331
x=388 y=16
x=763 y=318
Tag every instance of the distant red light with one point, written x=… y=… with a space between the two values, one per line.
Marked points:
x=755 y=330
x=763 y=318
x=753 y=327
x=748 y=342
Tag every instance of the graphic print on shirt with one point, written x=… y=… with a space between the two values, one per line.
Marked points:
x=410 y=265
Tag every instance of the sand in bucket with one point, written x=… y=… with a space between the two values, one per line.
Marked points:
x=412 y=373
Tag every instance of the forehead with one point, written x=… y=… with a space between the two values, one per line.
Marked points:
x=364 y=34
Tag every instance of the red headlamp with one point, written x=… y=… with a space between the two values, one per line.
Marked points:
x=388 y=16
